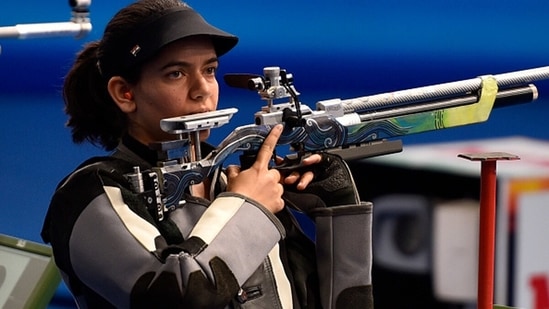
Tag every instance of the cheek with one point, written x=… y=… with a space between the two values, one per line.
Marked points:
x=215 y=99
x=175 y=104
x=215 y=96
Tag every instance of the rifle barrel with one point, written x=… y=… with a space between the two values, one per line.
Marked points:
x=440 y=91
x=505 y=97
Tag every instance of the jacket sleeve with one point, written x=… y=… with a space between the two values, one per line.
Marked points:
x=343 y=234
x=102 y=245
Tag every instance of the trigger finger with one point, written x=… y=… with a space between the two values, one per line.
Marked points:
x=266 y=151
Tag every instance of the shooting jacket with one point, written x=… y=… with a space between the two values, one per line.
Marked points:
x=227 y=253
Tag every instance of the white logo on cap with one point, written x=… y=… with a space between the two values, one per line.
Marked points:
x=135 y=50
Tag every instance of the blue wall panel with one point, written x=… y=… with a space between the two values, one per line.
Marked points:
x=334 y=49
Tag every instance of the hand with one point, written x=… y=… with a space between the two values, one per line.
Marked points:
x=301 y=181
x=333 y=182
x=259 y=182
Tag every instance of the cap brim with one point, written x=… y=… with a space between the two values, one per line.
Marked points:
x=172 y=25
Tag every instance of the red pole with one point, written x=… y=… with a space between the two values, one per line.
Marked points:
x=487 y=235
x=487 y=224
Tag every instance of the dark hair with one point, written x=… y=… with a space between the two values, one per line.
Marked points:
x=93 y=115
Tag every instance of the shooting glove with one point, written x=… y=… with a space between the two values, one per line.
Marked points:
x=333 y=182
x=343 y=234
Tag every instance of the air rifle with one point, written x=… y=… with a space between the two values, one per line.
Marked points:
x=354 y=128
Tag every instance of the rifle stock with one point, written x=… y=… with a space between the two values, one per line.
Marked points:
x=354 y=128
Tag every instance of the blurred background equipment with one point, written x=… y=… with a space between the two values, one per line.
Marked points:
x=78 y=26
x=28 y=276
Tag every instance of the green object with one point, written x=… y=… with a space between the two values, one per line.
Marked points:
x=28 y=275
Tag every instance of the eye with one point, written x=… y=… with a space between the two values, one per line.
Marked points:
x=211 y=70
x=175 y=74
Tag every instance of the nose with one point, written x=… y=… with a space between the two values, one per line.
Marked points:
x=201 y=88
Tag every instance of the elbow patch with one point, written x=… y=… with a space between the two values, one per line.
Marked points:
x=202 y=293
x=163 y=291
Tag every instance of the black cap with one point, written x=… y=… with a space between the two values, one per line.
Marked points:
x=164 y=28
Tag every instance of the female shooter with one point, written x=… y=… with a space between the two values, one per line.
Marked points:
x=241 y=247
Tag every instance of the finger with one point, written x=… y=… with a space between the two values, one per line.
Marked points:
x=305 y=180
x=291 y=178
x=232 y=171
x=265 y=153
x=312 y=159
x=275 y=174
x=280 y=201
x=279 y=160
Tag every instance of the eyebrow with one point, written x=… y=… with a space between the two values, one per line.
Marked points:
x=187 y=64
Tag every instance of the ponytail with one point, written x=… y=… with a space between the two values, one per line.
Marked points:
x=93 y=115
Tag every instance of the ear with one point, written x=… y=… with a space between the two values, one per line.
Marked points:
x=121 y=93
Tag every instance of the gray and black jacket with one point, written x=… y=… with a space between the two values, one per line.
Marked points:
x=227 y=253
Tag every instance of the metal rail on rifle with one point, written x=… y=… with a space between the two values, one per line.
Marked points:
x=355 y=128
